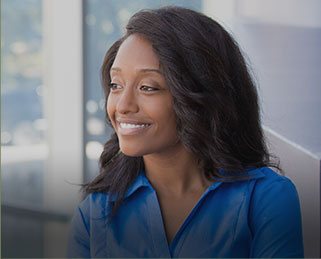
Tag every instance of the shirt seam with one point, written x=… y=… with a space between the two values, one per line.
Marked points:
x=150 y=226
x=238 y=216
x=84 y=221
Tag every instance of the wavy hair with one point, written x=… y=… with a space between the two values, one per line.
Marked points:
x=215 y=98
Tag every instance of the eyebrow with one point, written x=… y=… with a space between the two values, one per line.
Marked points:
x=143 y=70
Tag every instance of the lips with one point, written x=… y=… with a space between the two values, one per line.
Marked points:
x=131 y=127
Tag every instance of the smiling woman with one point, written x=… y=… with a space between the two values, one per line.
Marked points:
x=186 y=172
x=140 y=105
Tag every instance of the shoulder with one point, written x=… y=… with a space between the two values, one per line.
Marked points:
x=91 y=209
x=275 y=217
x=261 y=188
x=256 y=182
x=273 y=193
x=272 y=181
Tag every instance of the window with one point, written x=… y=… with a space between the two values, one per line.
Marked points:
x=23 y=125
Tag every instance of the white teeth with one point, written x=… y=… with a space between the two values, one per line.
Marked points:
x=132 y=126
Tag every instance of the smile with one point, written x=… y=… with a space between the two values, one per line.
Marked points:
x=126 y=128
x=132 y=126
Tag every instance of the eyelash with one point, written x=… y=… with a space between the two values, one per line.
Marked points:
x=145 y=88
x=148 y=88
x=113 y=86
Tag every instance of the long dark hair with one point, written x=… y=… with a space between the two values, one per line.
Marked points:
x=215 y=99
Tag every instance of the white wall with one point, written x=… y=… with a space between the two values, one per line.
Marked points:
x=305 y=13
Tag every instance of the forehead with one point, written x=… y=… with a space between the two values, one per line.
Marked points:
x=136 y=52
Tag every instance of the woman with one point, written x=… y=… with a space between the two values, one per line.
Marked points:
x=186 y=172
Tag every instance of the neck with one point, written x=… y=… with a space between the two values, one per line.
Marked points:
x=175 y=172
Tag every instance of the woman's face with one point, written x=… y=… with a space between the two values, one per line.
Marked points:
x=140 y=105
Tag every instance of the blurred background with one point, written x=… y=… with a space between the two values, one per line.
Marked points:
x=52 y=105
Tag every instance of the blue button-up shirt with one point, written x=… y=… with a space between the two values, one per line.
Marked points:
x=254 y=217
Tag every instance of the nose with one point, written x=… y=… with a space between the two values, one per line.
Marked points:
x=127 y=102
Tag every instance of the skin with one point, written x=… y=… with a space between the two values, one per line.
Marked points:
x=139 y=95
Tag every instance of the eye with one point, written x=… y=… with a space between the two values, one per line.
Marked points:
x=147 y=88
x=114 y=86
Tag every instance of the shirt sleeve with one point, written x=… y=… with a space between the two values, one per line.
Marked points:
x=79 y=238
x=275 y=221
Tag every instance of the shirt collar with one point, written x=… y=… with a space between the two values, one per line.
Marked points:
x=249 y=174
x=139 y=182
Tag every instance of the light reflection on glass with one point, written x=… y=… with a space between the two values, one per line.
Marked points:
x=91 y=106
x=95 y=126
x=93 y=150
x=107 y=27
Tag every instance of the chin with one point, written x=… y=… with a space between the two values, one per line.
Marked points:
x=131 y=151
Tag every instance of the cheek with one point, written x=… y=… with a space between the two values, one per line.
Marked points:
x=171 y=122
x=171 y=128
x=166 y=120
